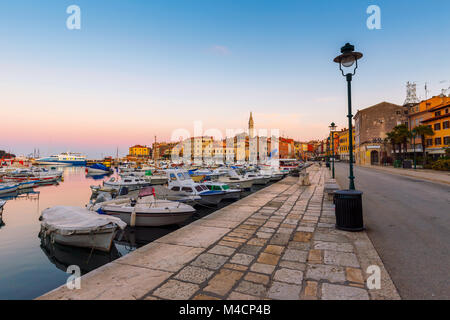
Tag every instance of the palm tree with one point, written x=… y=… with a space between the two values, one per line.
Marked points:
x=403 y=135
x=423 y=131
x=392 y=138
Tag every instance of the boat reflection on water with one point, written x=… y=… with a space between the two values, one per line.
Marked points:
x=64 y=256
x=134 y=238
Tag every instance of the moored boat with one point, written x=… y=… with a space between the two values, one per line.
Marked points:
x=98 y=168
x=147 y=211
x=6 y=188
x=79 y=227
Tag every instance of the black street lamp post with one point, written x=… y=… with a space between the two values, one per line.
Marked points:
x=348 y=203
x=347 y=59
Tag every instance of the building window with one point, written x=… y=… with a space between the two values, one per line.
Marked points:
x=447 y=140
x=446 y=111
x=437 y=126
x=438 y=141
x=429 y=142
x=446 y=124
x=437 y=113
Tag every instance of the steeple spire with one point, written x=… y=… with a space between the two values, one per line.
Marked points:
x=251 y=125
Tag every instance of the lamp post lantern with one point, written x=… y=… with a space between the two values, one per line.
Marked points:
x=347 y=59
x=332 y=131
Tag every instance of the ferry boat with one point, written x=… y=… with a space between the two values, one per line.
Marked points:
x=64 y=159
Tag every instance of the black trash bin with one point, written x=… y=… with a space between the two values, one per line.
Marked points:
x=407 y=164
x=349 y=216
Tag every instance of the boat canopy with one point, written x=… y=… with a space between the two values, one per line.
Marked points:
x=69 y=220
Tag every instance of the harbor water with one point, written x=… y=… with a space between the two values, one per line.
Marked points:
x=31 y=266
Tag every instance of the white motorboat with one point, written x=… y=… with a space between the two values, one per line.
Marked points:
x=150 y=177
x=258 y=179
x=147 y=211
x=79 y=227
x=275 y=174
x=130 y=182
x=233 y=194
x=236 y=181
x=6 y=188
x=180 y=180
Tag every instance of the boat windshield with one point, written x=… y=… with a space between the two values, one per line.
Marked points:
x=225 y=187
x=181 y=177
x=187 y=176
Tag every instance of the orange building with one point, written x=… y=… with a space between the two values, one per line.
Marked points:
x=422 y=113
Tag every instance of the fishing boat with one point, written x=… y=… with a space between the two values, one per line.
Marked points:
x=232 y=194
x=130 y=182
x=79 y=227
x=147 y=211
x=6 y=188
x=98 y=168
x=180 y=180
x=70 y=158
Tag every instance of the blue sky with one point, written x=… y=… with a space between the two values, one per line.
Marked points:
x=140 y=68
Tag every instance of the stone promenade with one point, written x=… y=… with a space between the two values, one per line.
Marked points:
x=278 y=243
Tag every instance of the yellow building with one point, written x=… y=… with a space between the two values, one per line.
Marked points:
x=139 y=151
x=343 y=149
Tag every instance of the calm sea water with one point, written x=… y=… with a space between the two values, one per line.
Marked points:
x=30 y=266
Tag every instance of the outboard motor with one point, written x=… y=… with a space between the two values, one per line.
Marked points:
x=133 y=202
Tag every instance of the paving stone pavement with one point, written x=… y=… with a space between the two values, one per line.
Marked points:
x=278 y=243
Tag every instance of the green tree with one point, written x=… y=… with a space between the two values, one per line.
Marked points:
x=403 y=136
x=422 y=131
x=392 y=138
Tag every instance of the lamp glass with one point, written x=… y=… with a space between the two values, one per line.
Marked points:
x=348 y=60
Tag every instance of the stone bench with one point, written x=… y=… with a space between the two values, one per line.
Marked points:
x=329 y=189
x=303 y=178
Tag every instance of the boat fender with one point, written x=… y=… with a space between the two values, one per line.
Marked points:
x=133 y=218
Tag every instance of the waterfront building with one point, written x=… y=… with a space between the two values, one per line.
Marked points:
x=343 y=148
x=434 y=112
x=139 y=151
x=371 y=126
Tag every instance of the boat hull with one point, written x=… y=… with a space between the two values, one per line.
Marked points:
x=232 y=195
x=211 y=199
x=158 y=181
x=100 y=240
x=97 y=171
x=261 y=181
x=150 y=219
x=7 y=190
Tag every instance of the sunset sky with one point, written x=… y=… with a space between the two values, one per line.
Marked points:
x=137 y=69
